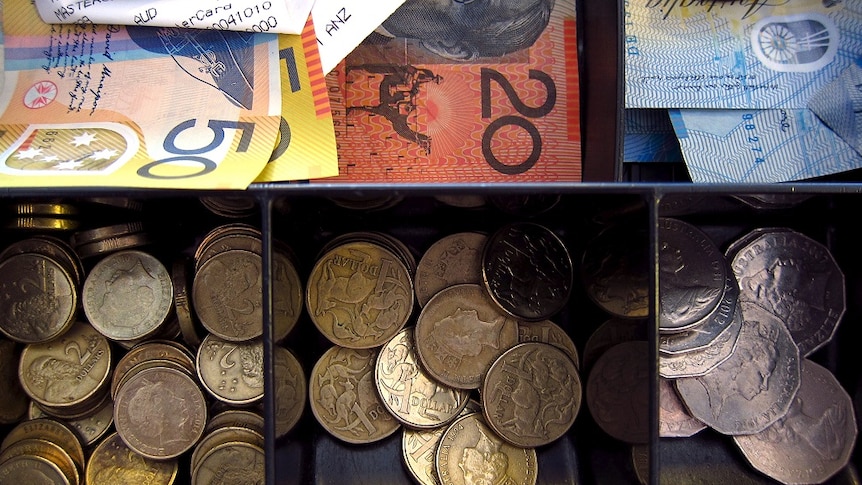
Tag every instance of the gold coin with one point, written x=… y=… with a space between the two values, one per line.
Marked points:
x=31 y=469
x=45 y=209
x=359 y=295
x=160 y=413
x=43 y=224
x=113 y=462
x=469 y=452
x=38 y=298
x=459 y=333
x=49 y=430
x=163 y=350
x=287 y=295
x=408 y=393
x=47 y=450
x=531 y=394
x=234 y=462
x=67 y=373
x=128 y=295
x=344 y=399
x=54 y=248
x=291 y=390
x=90 y=428
x=451 y=260
x=106 y=232
x=114 y=244
x=231 y=372
x=219 y=436
x=15 y=400
x=236 y=417
x=182 y=305
x=227 y=295
x=419 y=445
x=548 y=332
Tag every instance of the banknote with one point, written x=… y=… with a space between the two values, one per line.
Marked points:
x=649 y=137
x=306 y=138
x=86 y=104
x=748 y=54
x=469 y=92
x=839 y=105
x=759 y=146
x=273 y=16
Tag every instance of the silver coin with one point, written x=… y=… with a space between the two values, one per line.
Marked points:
x=701 y=361
x=755 y=386
x=797 y=280
x=674 y=420
x=709 y=329
x=814 y=440
x=692 y=275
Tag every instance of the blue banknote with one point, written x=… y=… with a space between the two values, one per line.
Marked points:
x=839 y=105
x=649 y=137
x=759 y=146
x=740 y=54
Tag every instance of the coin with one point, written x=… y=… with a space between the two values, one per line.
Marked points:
x=45 y=209
x=182 y=305
x=31 y=469
x=414 y=398
x=459 y=333
x=755 y=386
x=128 y=295
x=43 y=224
x=88 y=236
x=44 y=449
x=617 y=392
x=531 y=394
x=68 y=372
x=419 y=445
x=674 y=419
x=692 y=275
x=54 y=248
x=615 y=270
x=470 y=452
x=287 y=295
x=796 y=279
x=291 y=390
x=160 y=413
x=451 y=260
x=359 y=295
x=707 y=330
x=50 y=430
x=151 y=350
x=38 y=298
x=227 y=295
x=113 y=462
x=527 y=271
x=548 y=332
x=236 y=417
x=89 y=429
x=232 y=372
x=814 y=440
x=701 y=361
x=113 y=244
x=233 y=462
x=221 y=435
x=611 y=332
x=344 y=399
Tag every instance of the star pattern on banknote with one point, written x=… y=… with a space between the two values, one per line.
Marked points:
x=29 y=153
x=104 y=154
x=68 y=165
x=50 y=158
x=84 y=139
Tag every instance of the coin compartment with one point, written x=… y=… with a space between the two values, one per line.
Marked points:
x=305 y=219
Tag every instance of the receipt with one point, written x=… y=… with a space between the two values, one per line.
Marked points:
x=273 y=16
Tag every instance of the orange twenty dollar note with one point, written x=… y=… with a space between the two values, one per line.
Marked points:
x=472 y=92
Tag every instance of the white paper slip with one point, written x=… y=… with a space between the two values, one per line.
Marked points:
x=340 y=25
x=273 y=16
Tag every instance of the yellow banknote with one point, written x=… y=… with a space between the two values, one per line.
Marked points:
x=103 y=105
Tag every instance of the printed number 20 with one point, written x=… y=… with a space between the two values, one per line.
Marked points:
x=488 y=75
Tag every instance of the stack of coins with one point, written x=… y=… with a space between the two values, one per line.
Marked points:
x=741 y=369
x=42 y=216
x=41 y=450
x=381 y=376
x=102 y=240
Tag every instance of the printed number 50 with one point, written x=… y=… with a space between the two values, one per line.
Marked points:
x=218 y=128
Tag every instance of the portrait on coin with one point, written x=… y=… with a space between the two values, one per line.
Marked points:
x=465 y=30
x=129 y=296
x=748 y=377
x=681 y=295
x=484 y=463
x=822 y=433
x=56 y=378
x=789 y=290
x=158 y=412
